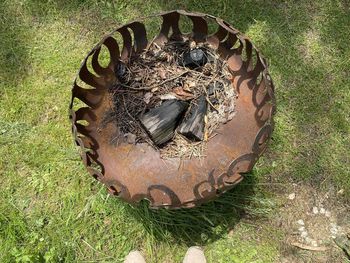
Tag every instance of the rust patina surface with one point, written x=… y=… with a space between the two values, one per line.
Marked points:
x=135 y=172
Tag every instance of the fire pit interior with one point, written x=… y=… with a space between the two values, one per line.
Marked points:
x=173 y=97
x=176 y=119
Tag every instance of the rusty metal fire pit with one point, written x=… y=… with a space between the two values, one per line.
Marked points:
x=136 y=172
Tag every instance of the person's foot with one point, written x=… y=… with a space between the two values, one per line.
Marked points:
x=194 y=255
x=134 y=257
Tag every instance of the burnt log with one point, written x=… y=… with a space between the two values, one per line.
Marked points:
x=161 y=122
x=193 y=124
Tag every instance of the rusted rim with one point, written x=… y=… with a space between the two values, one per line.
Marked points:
x=136 y=172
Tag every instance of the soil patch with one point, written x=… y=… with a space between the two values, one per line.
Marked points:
x=311 y=221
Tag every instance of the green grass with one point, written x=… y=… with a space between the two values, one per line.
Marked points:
x=52 y=211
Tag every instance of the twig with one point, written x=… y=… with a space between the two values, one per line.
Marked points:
x=211 y=137
x=206 y=93
x=307 y=247
x=156 y=85
x=126 y=109
x=167 y=80
x=91 y=247
x=211 y=104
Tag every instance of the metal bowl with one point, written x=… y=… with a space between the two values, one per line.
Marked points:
x=136 y=172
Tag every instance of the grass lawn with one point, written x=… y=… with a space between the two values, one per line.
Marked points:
x=52 y=211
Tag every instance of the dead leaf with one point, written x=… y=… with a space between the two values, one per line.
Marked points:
x=147 y=97
x=307 y=247
x=182 y=94
x=162 y=73
x=191 y=84
x=185 y=87
x=188 y=85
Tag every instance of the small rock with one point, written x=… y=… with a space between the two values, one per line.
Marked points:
x=304 y=234
x=315 y=210
x=314 y=243
x=291 y=196
x=301 y=229
x=327 y=214
x=333 y=229
x=301 y=222
x=322 y=210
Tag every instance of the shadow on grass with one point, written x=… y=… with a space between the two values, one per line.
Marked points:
x=205 y=223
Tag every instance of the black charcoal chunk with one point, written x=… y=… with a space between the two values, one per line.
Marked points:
x=161 y=122
x=193 y=124
x=194 y=58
